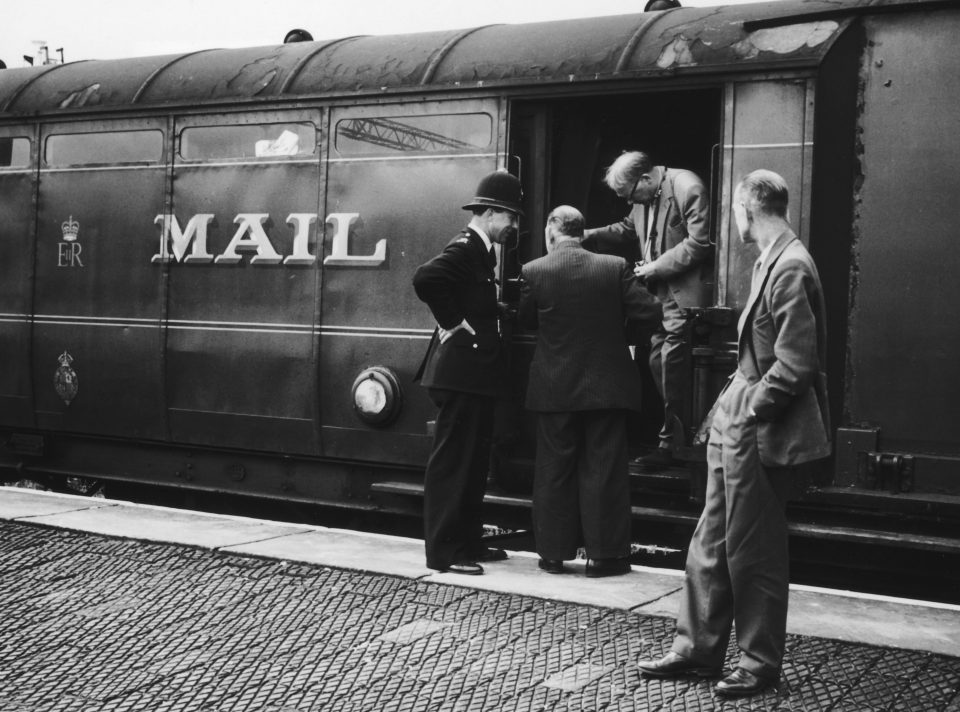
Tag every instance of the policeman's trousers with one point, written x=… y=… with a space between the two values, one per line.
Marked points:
x=456 y=477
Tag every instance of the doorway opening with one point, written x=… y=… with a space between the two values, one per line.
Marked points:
x=561 y=149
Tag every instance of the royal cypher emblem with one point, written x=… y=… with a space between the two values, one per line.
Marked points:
x=70 y=229
x=68 y=251
x=65 y=379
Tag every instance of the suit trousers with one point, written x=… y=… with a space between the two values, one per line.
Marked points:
x=581 y=484
x=737 y=570
x=456 y=477
x=668 y=364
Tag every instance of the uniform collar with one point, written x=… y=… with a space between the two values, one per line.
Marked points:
x=483 y=236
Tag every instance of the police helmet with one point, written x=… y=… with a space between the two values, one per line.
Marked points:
x=500 y=191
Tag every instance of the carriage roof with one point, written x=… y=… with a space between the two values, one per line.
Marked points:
x=784 y=35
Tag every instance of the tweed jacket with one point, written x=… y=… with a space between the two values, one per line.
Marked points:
x=580 y=302
x=782 y=349
x=458 y=284
x=680 y=238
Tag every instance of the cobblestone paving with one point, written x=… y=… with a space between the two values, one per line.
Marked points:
x=92 y=623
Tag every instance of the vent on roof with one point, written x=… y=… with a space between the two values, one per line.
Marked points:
x=297 y=36
x=655 y=5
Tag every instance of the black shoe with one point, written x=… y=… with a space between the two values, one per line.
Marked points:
x=675 y=665
x=551 y=566
x=597 y=568
x=490 y=554
x=741 y=683
x=468 y=568
x=659 y=459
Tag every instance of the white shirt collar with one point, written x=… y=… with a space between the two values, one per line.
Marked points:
x=761 y=260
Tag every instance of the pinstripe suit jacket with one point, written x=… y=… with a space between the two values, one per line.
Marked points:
x=580 y=303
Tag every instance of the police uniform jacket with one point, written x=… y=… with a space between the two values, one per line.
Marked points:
x=680 y=249
x=581 y=304
x=459 y=284
x=782 y=347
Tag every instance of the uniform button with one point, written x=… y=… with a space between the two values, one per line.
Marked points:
x=474 y=346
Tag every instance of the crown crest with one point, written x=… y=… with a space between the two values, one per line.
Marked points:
x=70 y=229
x=65 y=359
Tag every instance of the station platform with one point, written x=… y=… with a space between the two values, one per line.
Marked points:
x=108 y=605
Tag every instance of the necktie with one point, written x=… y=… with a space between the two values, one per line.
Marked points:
x=492 y=257
x=648 y=252
x=754 y=286
x=755 y=280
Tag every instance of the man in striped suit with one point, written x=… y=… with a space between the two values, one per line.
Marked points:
x=582 y=384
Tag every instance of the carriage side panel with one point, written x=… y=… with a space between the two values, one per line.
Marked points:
x=397 y=178
x=18 y=186
x=97 y=341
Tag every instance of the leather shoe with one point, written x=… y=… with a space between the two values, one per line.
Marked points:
x=675 y=665
x=597 y=568
x=491 y=554
x=657 y=460
x=470 y=569
x=741 y=683
x=551 y=566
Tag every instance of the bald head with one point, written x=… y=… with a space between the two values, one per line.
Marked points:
x=567 y=221
x=563 y=223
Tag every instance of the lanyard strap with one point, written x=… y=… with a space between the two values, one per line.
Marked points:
x=651 y=226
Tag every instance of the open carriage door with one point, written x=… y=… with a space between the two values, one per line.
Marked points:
x=398 y=176
x=767 y=124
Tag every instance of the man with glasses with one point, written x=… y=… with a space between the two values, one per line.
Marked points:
x=667 y=231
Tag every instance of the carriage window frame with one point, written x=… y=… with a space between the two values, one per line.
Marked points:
x=19 y=157
x=269 y=146
x=93 y=148
x=451 y=127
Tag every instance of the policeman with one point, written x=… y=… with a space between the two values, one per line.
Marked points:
x=465 y=372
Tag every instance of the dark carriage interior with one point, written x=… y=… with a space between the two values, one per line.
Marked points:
x=564 y=146
x=561 y=149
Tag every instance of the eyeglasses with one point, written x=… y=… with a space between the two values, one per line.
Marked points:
x=629 y=196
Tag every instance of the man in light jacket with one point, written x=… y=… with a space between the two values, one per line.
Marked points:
x=667 y=234
x=771 y=416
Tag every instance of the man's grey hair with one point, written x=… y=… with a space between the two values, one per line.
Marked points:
x=764 y=192
x=624 y=172
x=567 y=221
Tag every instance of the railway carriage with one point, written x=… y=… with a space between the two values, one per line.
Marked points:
x=206 y=259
